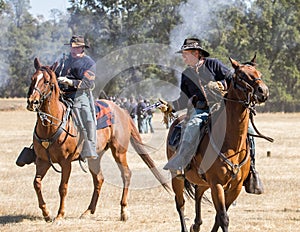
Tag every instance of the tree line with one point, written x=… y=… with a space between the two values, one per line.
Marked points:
x=133 y=37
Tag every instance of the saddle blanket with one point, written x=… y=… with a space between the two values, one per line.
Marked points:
x=104 y=115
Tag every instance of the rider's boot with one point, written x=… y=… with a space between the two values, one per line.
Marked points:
x=89 y=148
x=253 y=184
x=91 y=133
x=89 y=145
x=181 y=159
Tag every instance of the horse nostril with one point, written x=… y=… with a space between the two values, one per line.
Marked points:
x=260 y=90
x=35 y=102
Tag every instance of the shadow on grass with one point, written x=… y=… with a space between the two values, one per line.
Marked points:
x=17 y=218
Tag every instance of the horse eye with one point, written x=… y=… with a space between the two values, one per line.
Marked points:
x=46 y=82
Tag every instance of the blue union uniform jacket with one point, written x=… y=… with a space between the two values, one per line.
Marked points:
x=81 y=71
x=192 y=82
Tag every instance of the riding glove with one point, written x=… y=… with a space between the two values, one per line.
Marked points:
x=65 y=80
x=216 y=86
x=165 y=107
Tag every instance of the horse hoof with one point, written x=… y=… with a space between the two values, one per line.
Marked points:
x=124 y=217
x=86 y=214
x=57 y=220
x=124 y=214
x=48 y=219
x=194 y=228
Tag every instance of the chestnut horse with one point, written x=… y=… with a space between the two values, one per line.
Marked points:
x=222 y=160
x=56 y=140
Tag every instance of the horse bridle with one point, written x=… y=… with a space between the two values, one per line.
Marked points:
x=247 y=84
x=43 y=96
x=48 y=92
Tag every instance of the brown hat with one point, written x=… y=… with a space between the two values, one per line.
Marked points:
x=78 y=41
x=193 y=44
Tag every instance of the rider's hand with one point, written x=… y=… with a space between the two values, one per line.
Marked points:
x=216 y=86
x=65 y=80
x=220 y=86
x=165 y=107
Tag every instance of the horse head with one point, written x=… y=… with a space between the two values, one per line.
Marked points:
x=42 y=84
x=248 y=79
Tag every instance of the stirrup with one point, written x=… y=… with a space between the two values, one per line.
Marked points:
x=178 y=174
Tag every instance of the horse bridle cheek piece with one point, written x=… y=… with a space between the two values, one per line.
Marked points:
x=246 y=85
x=47 y=93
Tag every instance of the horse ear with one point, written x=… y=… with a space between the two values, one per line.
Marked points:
x=234 y=63
x=54 y=66
x=253 y=59
x=37 y=64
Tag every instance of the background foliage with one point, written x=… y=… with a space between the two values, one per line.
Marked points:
x=233 y=28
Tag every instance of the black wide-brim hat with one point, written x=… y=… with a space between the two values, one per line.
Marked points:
x=78 y=41
x=193 y=44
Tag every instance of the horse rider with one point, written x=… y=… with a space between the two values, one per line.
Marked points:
x=201 y=70
x=76 y=77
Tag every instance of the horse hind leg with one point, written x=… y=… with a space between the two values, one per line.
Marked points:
x=120 y=158
x=178 y=187
x=126 y=177
x=199 y=191
x=98 y=180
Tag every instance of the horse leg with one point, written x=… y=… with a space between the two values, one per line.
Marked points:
x=178 y=188
x=120 y=158
x=199 y=191
x=98 y=179
x=232 y=194
x=41 y=169
x=221 y=219
x=63 y=188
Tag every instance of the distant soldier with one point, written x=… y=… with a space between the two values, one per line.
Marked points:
x=149 y=117
x=141 y=116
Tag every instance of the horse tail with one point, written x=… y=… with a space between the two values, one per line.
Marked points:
x=139 y=147
x=189 y=190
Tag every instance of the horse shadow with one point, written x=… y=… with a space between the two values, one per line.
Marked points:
x=9 y=219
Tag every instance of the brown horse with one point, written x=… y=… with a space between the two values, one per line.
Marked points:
x=222 y=160
x=56 y=140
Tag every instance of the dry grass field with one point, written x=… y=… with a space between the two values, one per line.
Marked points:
x=151 y=207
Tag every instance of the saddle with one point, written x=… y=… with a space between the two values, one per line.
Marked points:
x=175 y=137
x=104 y=115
